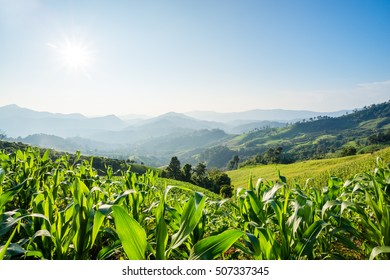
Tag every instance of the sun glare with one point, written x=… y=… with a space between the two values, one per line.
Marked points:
x=74 y=55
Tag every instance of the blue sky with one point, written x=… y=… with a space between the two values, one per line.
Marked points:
x=151 y=57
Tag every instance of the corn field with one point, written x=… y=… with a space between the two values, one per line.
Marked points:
x=65 y=210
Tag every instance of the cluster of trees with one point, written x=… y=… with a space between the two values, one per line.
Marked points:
x=348 y=151
x=213 y=179
x=233 y=163
x=270 y=156
x=379 y=138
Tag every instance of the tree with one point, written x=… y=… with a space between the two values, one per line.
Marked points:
x=200 y=170
x=233 y=163
x=226 y=191
x=218 y=180
x=173 y=169
x=187 y=172
x=272 y=155
x=348 y=151
x=200 y=176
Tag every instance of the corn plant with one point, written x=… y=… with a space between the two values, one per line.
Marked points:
x=64 y=209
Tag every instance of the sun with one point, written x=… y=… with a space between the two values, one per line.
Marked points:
x=73 y=55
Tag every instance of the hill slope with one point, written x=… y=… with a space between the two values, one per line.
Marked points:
x=362 y=131
x=318 y=170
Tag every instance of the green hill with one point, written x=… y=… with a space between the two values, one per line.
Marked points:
x=363 y=131
x=318 y=170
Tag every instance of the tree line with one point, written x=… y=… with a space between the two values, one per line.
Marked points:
x=213 y=179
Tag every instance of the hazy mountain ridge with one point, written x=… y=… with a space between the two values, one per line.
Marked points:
x=281 y=115
x=21 y=122
x=158 y=137
x=361 y=131
x=17 y=121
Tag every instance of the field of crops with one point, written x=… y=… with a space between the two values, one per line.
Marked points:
x=65 y=210
x=318 y=170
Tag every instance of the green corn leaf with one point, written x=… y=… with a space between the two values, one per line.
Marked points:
x=131 y=234
x=346 y=205
x=10 y=193
x=4 y=227
x=190 y=217
x=46 y=155
x=41 y=232
x=161 y=239
x=329 y=204
x=305 y=246
x=379 y=250
x=255 y=244
x=213 y=246
x=123 y=195
x=3 y=250
x=271 y=193
x=250 y=183
x=2 y=175
x=97 y=223
x=161 y=231
x=14 y=249
x=168 y=188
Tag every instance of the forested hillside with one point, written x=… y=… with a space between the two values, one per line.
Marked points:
x=362 y=131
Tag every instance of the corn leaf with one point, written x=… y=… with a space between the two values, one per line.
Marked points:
x=2 y=175
x=190 y=217
x=213 y=246
x=379 y=250
x=131 y=234
x=161 y=231
x=3 y=250
x=9 y=194
x=305 y=246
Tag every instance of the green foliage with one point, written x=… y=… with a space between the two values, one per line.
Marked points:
x=186 y=172
x=213 y=246
x=173 y=169
x=312 y=172
x=226 y=191
x=316 y=138
x=348 y=151
x=130 y=233
x=63 y=209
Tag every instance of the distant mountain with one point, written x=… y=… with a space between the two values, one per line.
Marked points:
x=177 y=120
x=71 y=145
x=16 y=121
x=262 y=115
x=361 y=131
x=252 y=126
x=198 y=136
x=12 y=111
x=169 y=124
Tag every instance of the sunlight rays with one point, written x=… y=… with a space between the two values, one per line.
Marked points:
x=74 y=55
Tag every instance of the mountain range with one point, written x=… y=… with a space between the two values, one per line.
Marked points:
x=143 y=138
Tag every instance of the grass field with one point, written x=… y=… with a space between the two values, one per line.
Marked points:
x=318 y=170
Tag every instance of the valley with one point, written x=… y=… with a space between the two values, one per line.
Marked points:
x=300 y=135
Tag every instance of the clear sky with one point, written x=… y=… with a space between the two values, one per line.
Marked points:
x=151 y=57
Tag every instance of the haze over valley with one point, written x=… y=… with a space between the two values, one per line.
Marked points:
x=152 y=140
